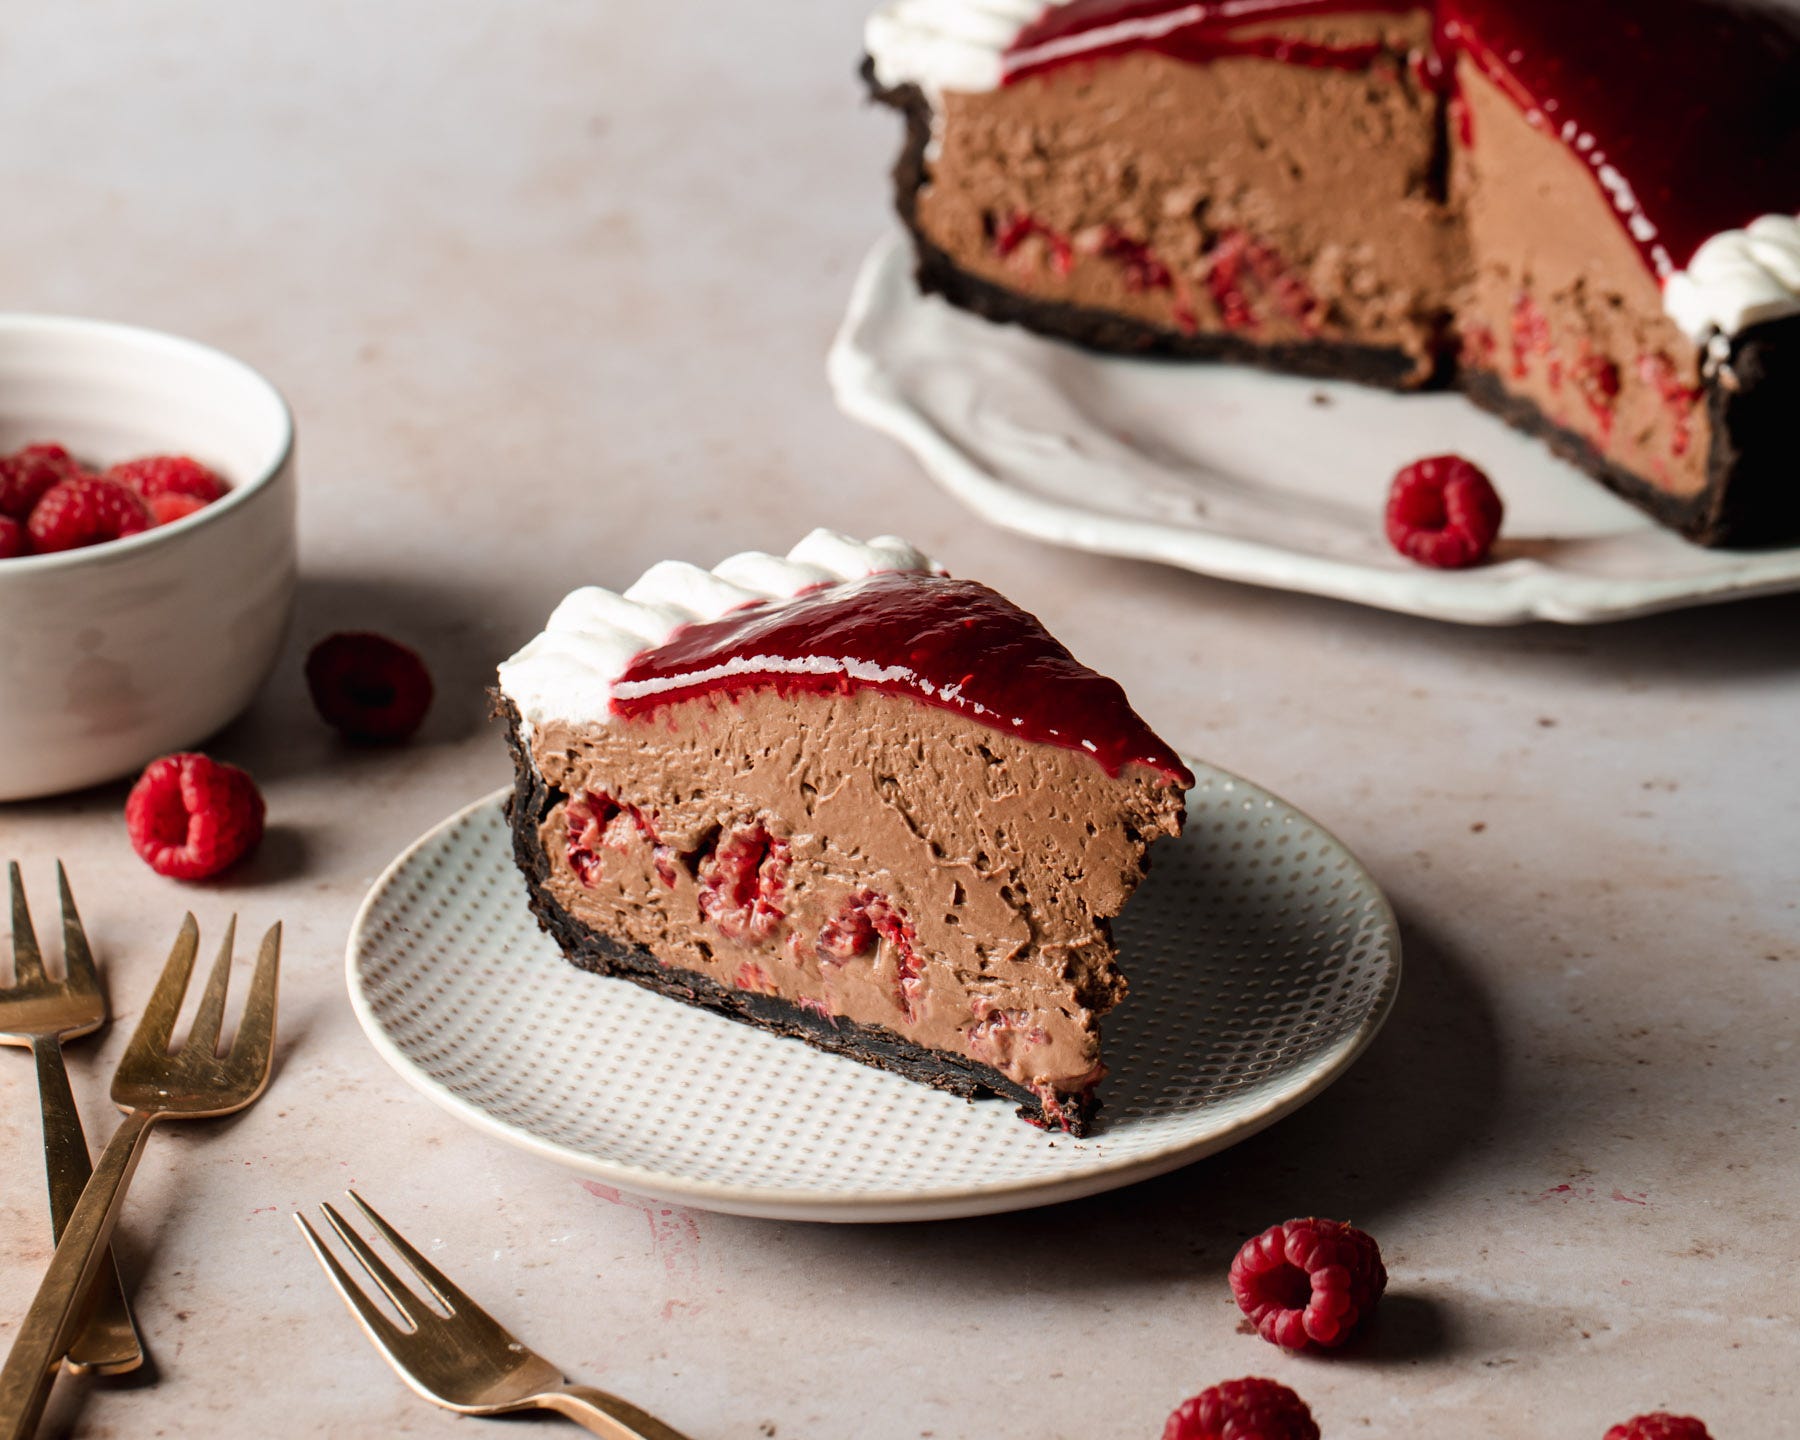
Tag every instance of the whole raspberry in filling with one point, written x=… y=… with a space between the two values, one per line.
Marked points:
x=1308 y=1283
x=85 y=510
x=585 y=818
x=368 y=686
x=742 y=883
x=189 y=816
x=27 y=475
x=12 y=538
x=1247 y=1409
x=168 y=475
x=860 y=923
x=851 y=932
x=1443 y=512
x=1659 y=1425
x=595 y=821
x=997 y=1034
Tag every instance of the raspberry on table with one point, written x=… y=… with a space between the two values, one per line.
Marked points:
x=1443 y=512
x=1659 y=1425
x=13 y=540
x=190 y=816
x=368 y=686
x=1308 y=1283
x=1249 y=1409
x=27 y=474
x=85 y=511
x=155 y=475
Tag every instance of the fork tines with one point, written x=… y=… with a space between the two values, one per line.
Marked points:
x=28 y=960
x=156 y=1026
x=28 y=956
x=402 y=1296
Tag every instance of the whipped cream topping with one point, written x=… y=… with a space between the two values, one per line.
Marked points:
x=1738 y=279
x=570 y=670
x=943 y=45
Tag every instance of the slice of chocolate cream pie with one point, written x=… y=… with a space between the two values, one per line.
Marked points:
x=847 y=798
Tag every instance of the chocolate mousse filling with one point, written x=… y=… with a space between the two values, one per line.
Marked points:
x=890 y=817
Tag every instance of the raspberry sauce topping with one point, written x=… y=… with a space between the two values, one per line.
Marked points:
x=1686 y=112
x=1196 y=33
x=953 y=644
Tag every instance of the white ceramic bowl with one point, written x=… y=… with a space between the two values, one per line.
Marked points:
x=113 y=655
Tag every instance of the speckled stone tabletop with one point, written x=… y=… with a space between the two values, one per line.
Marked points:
x=550 y=288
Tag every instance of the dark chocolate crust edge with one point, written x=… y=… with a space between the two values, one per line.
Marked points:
x=590 y=950
x=1750 y=499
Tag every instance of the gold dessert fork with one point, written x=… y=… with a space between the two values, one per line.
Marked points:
x=463 y=1360
x=40 y=1012
x=150 y=1084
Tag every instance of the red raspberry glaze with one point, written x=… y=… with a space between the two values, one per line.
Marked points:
x=948 y=643
x=1443 y=512
x=1659 y=1425
x=1249 y=1409
x=189 y=816
x=85 y=511
x=1309 y=1283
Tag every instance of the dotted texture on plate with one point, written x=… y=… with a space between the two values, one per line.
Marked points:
x=1261 y=958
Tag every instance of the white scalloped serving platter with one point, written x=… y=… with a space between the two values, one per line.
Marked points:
x=1236 y=473
x=1262 y=959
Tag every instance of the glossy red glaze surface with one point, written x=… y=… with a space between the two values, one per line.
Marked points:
x=1686 y=112
x=1197 y=33
x=952 y=644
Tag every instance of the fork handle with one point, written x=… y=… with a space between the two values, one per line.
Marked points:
x=50 y=1322
x=108 y=1340
x=606 y=1415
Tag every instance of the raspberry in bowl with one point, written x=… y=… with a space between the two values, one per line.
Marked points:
x=136 y=617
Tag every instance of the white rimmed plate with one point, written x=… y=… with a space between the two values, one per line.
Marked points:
x=1244 y=475
x=1262 y=958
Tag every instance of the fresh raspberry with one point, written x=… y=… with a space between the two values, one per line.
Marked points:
x=861 y=922
x=1443 y=512
x=1659 y=1425
x=27 y=474
x=743 y=882
x=168 y=508
x=1308 y=1282
x=168 y=475
x=595 y=821
x=190 y=817
x=368 y=686
x=1247 y=1409
x=12 y=538
x=85 y=511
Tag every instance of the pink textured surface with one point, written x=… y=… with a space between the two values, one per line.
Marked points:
x=549 y=291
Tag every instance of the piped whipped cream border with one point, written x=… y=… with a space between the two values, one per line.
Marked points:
x=1737 y=279
x=570 y=672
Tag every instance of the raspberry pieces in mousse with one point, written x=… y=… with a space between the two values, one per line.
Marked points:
x=844 y=797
